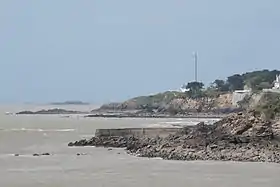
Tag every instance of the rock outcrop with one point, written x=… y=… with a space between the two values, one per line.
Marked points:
x=171 y=103
x=238 y=137
x=51 y=111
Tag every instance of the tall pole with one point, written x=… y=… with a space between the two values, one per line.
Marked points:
x=195 y=66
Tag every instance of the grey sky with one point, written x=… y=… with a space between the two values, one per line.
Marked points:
x=110 y=50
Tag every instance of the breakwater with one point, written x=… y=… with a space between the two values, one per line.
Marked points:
x=137 y=132
x=132 y=115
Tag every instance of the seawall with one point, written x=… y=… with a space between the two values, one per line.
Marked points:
x=239 y=95
x=147 y=115
x=150 y=132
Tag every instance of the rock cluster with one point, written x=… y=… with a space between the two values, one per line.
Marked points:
x=171 y=103
x=43 y=154
x=238 y=137
x=50 y=111
x=36 y=154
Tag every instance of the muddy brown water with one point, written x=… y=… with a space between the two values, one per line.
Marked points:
x=26 y=135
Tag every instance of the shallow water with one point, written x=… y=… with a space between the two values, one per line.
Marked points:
x=26 y=135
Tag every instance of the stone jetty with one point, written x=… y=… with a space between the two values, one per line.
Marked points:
x=237 y=137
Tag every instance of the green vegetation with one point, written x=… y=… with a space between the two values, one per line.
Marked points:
x=178 y=102
x=235 y=82
x=256 y=81
x=195 y=90
x=165 y=97
x=269 y=105
x=220 y=85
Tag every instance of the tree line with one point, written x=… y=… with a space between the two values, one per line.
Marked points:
x=255 y=80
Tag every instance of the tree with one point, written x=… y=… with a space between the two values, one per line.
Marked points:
x=264 y=85
x=195 y=86
x=195 y=89
x=253 y=82
x=257 y=80
x=236 y=82
x=221 y=85
x=218 y=83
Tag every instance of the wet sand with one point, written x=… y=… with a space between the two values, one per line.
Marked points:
x=26 y=135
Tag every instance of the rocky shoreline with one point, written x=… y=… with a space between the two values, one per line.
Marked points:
x=238 y=137
x=152 y=115
x=122 y=114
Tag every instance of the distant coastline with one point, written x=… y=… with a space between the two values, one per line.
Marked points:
x=239 y=92
x=50 y=111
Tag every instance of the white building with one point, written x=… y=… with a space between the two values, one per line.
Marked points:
x=184 y=89
x=277 y=82
x=276 y=86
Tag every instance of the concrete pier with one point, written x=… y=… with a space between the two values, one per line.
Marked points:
x=150 y=132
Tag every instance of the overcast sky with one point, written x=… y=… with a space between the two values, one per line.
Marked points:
x=110 y=50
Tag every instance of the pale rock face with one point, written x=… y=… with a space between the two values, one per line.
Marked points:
x=277 y=82
x=224 y=100
x=276 y=128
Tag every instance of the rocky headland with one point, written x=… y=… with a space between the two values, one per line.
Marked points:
x=191 y=100
x=195 y=100
x=169 y=104
x=50 y=111
x=237 y=137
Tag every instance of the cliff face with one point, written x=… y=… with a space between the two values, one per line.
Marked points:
x=205 y=104
x=265 y=103
x=173 y=102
